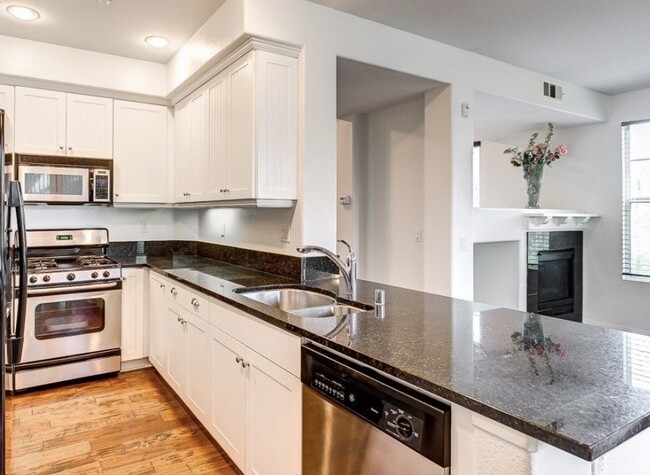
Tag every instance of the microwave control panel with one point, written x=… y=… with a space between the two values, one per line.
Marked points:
x=101 y=186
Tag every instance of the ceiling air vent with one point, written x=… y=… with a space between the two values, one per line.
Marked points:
x=553 y=91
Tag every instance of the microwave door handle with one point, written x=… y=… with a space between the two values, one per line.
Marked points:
x=15 y=340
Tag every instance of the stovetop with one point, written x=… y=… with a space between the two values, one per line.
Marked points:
x=84 y=269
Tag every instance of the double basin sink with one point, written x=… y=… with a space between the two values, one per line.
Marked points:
x=304 y=303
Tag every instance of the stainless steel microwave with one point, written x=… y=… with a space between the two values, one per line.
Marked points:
x=57 y=184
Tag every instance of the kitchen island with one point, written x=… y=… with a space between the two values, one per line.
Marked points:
x=529 y=394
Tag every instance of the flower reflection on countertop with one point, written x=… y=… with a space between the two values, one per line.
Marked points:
x=536 y=346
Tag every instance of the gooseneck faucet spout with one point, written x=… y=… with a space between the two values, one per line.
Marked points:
x=348 y=268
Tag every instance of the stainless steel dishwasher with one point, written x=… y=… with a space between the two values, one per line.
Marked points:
x=358 y=421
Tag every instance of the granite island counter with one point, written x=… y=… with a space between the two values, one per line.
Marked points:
x=522 y=386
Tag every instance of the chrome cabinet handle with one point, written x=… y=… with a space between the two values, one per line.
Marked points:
x=195 y=303
x=70 y=147
x=178 y=319
x=60 y=147
x=162 y=286
x=173 y=291
x=245 y=364
x=117 y=194
x=239 y=359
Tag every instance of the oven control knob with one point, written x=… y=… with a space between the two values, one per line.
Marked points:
x=46 y=278
x=33 y=279
x=94 y=275
x=106 y=273
x=71 y=276
x=404 y=427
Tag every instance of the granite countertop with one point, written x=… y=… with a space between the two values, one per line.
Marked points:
x=588 y=393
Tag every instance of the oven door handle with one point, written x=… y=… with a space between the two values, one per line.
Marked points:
x=73 y=289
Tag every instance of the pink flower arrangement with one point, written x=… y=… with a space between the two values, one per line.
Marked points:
x=537 y=155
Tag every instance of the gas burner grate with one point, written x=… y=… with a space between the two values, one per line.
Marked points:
x=41 y=264
x=90 y=261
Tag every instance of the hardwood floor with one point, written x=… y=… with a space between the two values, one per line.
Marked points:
x=130 y=424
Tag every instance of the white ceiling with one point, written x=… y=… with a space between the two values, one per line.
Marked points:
x=598 y=44
x=119 y=28
x=364 y=88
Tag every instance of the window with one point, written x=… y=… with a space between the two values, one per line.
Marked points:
x=636 y=199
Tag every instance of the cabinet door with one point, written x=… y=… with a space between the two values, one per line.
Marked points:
x=240 y=168
x=218 y=138
x=133 y=314
x=182 y=151
x=177 y=350
x=7 y=104
x=277 y=125
x=89 y=127
x=140 y=153
x=273 y=418
x=40 y=122
x=198 y=367
x=228 y=405
x=157 y=324
x=192 y=147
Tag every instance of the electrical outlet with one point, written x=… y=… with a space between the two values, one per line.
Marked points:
x=144 y=227
x=222 y=229
x=417 y=235
x=284 y=233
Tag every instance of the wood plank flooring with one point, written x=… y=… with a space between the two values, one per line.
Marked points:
x=129 y=424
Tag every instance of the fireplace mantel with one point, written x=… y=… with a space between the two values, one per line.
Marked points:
x=557 y=220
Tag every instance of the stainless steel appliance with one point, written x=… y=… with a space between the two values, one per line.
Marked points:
x=358 y=421
x=72 y=309
x=73 y=181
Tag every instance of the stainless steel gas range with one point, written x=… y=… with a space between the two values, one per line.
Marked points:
x=73 y=309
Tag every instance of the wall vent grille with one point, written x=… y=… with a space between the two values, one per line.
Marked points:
x=552 y=90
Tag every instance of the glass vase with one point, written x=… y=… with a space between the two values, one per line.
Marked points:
x=533 y=179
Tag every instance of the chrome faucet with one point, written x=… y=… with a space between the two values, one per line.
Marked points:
x=348 y=267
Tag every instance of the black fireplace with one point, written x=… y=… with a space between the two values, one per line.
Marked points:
x=555 y=274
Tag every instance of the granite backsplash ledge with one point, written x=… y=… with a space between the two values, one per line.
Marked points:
x=304 y=268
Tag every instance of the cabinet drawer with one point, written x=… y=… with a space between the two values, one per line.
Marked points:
x=188 y=299
x=278 y=346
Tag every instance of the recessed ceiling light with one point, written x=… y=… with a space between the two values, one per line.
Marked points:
x=23 y=13
x=157 y=41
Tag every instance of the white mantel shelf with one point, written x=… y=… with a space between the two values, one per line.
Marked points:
x=549 y=219
x=557 y=219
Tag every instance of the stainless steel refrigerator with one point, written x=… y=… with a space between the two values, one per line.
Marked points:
x=13 y=277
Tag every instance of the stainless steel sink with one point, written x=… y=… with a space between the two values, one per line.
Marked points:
x=290 y=299
x=336 y=310
x=304 y=303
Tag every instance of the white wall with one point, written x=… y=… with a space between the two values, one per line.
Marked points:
x=391 y=202
x=251 y=228
x=325 y=34
x=496 y=273
x=124 y=224
x=63 y=65
x=501 y=184
x=589 y=178
x=345 y=213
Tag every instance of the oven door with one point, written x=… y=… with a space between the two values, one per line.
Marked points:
x=45 y=184
x=70 y=321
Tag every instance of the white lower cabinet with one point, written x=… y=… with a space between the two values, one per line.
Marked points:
x=228 y=395
x=229 y=372
x=133 y=315
x=273 y=418
x=157 y=323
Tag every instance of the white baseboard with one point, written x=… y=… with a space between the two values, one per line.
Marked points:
x=132 y=365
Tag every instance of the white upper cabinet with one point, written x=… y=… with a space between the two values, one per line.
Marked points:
x=191 y=148
x=7 y=104
x=89 y=126
x=56 y=123
x=250 y=135
x=141 y=164
x=40 y=122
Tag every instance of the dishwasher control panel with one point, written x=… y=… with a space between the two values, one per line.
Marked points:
x=395 y=417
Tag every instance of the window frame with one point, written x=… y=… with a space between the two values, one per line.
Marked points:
x=627 y=203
